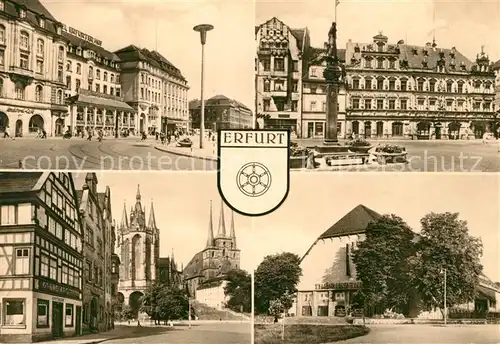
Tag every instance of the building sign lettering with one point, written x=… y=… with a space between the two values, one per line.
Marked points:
x=82 y=35
x=20 y=110
x=59 y=289
x=339 y=286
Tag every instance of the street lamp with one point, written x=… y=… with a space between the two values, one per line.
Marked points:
x=202 y=29
x=189 y=312
x=444 y=297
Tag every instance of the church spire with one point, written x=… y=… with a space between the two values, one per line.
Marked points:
x=152 y=219
x=138 y=195
x=124 y=222
x=221 y=233
x=210 y=239
x=232 y=235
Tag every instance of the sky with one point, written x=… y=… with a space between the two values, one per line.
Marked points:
x=465 y=24
x=181 y=205
x=229 y=51
x=316 y=201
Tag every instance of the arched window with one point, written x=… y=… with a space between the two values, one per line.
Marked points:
x=112 y=78
x=24 y=41
x=2 y=34
x=60 y=56
x=38 y=93
x=69 y=66
x=91 y=71
x=1 y=87
x=98 y=74
x=40 y=47
x=59 y=97
x=78 y=68
x=105 y=76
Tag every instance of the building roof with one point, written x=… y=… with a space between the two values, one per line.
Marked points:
x=13 y=182
x=496 y=65
x=415 y=57
x=195 y=104
x=134 y=53
x=78 y=42
x=99 y=101
x=299 y=36
x=34 y=6
x=194 y=267
x=354 y=222
x=34 y=9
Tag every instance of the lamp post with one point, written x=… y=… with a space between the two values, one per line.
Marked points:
x=202 y=29
x=444 y=297
x=189 y=312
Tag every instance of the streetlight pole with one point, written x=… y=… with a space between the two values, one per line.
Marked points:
x=189 y=312
x=445 y=308
x=202 y=29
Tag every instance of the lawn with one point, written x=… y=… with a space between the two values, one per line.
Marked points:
x=306 y=334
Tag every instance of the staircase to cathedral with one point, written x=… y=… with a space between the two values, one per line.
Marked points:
x=204 y=312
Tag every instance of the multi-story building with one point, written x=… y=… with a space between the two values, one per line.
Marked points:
x=429 y=92
x=168 y=273
x=314 y=88
x=41 y=257
x=138 y=249
x=94 y=93
x=94 y=249
x=155 y=88
x=496 y=69
x=220 y=256
x=32 y=75
x=278 y=75
x=221 y=113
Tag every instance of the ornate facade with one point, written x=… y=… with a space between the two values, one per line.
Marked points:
x=278 y=75
x=138 y=248
x=429 y=92
x=219 y=256
x=496 y=69
x=32 y=75
x=155 y=88
x=41 y=257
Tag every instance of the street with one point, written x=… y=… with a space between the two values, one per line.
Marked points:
x=133 y=154
x=216 y=333
x=77 y=153
x=429 y=334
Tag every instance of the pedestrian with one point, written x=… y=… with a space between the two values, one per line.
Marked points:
x=138 y=323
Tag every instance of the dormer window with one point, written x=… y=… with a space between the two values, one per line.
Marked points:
x=426 y=53
x=424 y=63
x=22 y=13
x=41 y=21
x=356 y=49
x=2 y=5
x=415 y=52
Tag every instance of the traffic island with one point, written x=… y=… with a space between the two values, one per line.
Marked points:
x=306 y=333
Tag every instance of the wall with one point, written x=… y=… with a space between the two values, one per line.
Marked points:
x=213 y=297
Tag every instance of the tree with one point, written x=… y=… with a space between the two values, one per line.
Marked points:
x=151 y=299
x=446 y=244
x=276 y=275
x=279 y=306
x=127 y=313
x=384 y=263
x=173 y=304
x=239 y=291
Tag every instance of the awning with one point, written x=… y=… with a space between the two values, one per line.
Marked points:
x=100 y=102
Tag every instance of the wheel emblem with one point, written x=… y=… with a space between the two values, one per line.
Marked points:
x=253 y=179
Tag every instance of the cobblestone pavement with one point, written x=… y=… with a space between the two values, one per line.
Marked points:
x=429 y=334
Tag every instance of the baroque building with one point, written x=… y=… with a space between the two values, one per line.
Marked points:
x=94 y=92
x=219 y=256
x=97 y=312
x=221 y=113
x=41 y=257
x=278 y=75
x=32 y=75
x=424 y=92
x=496 y=69
x=155 y=88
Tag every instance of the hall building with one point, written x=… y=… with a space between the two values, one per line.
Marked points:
x=278 y=75
x=93 y=89
x=32 y=76
x=329 y=278
x=41 y=257
x=221 y=112
x=155 y=88
x=205 y=273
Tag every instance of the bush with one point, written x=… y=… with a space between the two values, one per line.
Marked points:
x=391 y=149
x=296 y=150
x=306 y=334
x=359 y=142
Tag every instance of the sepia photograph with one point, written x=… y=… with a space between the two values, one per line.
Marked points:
x=124 y=93
x=122 y=258
x=381 y=85
x=380 y=259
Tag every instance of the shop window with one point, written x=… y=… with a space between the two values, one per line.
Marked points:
x=42 y=319
x=14 y=312
x=68 y=319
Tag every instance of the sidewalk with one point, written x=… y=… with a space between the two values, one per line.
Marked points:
x=119 y=332
x=209 y=151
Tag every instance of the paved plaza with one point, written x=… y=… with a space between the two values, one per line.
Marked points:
x=429 y=334
x=134 y=154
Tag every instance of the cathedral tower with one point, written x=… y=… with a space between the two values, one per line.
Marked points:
x=138 y=249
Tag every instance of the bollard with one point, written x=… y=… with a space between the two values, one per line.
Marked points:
x=20 y=164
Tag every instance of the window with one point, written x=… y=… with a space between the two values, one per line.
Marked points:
x=69 y=66
x=78 y=85
x=89 y=271
x=40 y=47
x=380 y=104
x=380 y=63
x=2 y=34
x=355 y=103
x=68 y=320
x=8 y=215
x=44 y=265
x=53 y=269
x=39 y=66
x=313 y=106
x=368 y=104
x=368 y=63
x=38 y=93
x=403 y=104
x=98 y=75
x=24 y=41
x=14 y=310
x=404 y=85
x=22 y=261
x=105 y=76
x=355 y=84
x=60 y=56
x=392 y=104
x=392 y=85
x=24 y=61
x=59 y=97
x=42 y=313
x=64 y=274
x=2 y=57
x=380 y=84
x=279 y=64
x=78 y=69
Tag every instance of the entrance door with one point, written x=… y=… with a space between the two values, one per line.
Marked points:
x=78 y=320
x=438 y=131
x=59 y=127
x=310 y=129
x=57 y=319
x=19 y=128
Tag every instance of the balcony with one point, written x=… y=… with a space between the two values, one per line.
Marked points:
x=21 y=75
